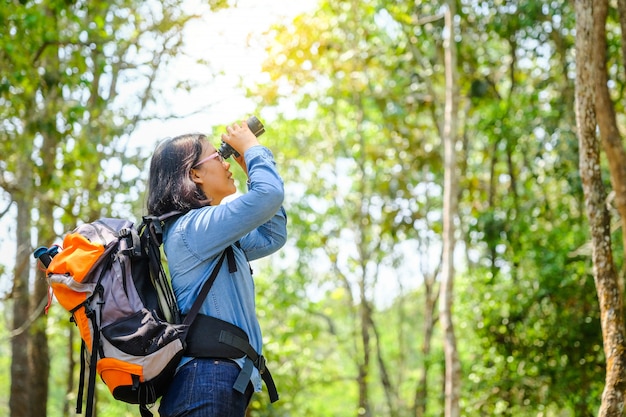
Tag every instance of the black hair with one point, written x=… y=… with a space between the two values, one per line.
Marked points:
x=169 y=184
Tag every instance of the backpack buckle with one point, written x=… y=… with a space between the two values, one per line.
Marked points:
x=132 y=241
x=260 y=364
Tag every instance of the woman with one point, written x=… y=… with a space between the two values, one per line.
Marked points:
x=189 y=175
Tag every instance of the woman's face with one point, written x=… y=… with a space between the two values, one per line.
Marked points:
x=212 y=175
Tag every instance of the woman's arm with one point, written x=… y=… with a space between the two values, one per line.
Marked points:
x=267 y=238
x=213 y=228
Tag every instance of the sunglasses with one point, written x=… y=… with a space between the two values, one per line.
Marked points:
x=208 y=158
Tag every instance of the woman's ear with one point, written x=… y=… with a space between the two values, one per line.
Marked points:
x=195 y=177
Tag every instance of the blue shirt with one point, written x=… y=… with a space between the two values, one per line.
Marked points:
x=194 y=242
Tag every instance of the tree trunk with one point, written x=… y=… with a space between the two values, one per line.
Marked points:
x=605 y=113
x=39 y=352
x=67 y=403
x=364 y=365
x=385 y=379
x=421 y=393
x=450 y=211
x=43 y=123
x=21 y=398
x=605 y=276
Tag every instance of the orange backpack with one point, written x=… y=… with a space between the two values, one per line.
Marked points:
x=109 y=276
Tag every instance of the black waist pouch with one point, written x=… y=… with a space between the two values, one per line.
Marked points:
x=203 y=339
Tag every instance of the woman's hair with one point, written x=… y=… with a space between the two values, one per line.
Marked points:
x=169 y=184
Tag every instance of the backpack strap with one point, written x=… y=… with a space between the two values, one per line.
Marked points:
x=170 y=215
x=81 y=382
x=96 y=347
x=91 y=384
x=150 y=233
x=252 y=359
x=210 y=337
x=157 y=223
x=230 y=256
x=206 y=287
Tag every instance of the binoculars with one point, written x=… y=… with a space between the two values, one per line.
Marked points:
x=255 y=126
x=45 y=254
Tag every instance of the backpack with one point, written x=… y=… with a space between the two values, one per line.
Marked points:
x=109 y=276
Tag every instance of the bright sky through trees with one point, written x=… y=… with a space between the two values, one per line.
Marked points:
x=231 y=43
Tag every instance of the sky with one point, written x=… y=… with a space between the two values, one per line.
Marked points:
x=231 y=41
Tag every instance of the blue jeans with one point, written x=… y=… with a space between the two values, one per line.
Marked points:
x=204 y=388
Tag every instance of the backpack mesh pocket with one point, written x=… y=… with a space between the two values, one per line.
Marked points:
x=141 y=334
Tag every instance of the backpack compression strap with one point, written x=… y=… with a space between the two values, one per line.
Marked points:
x=252 y=359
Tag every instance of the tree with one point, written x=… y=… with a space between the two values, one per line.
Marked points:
x=450 y=213
x=611 y=138
x=605 y=275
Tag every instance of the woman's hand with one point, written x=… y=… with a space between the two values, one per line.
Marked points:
x=241 y=138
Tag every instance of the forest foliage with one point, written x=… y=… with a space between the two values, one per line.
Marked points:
x=353 y=103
